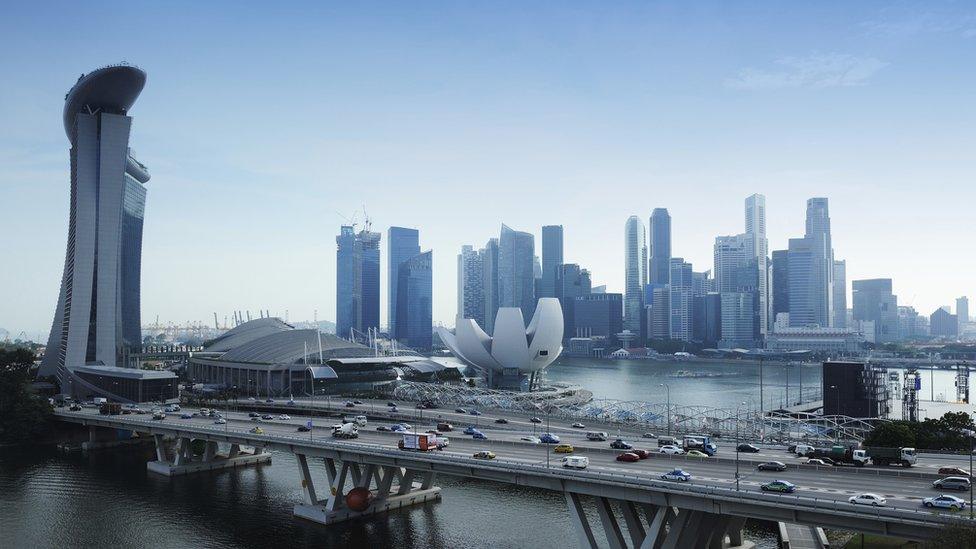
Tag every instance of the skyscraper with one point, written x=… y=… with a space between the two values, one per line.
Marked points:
x=660 y=246
x=552 y=258
x=599 y=315
x=471 y=288
x=657 y=311
x=756 y=232
x=516 y=271
x=402 y=244
x=840 y=294
x=738 y=320
x=812 y=270
x=962 y=313
x=874 y=303
x=415 y=296
x=731 y=254
x=682 y=294
x=633 y=273
x=357 y=280
x=97 y=318
x=572 y=282
x=489 y=262
x=943 y=324
x=780 y=277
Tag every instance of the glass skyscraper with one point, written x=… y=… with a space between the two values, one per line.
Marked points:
x=635 y=270
x=402 y=244
x=516 y=271
x=357 y=280
x=660 y=246
x=415 y=301
x=552 y=258
x=812 y=270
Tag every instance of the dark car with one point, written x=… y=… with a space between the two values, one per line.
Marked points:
x=953 y=471
x=357 y=402
x=535 y=420
x=747 y=448
x=501 y=420
x=460 y=410
x=643 y=454
x=621 y=445
x=383 y=428
x=391 y=403
x=253 y=414
x=350 y=405
x=267 y=417
x=475 y=413
x=771 y=466
x=303 y=429
x=629 y=457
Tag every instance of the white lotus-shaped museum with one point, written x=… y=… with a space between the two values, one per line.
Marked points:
x=513 y=346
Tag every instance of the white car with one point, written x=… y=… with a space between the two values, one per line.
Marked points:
x=945 y=501
x=284 y=417
x=670 y=449
x=868 y=499
x=531 y=439
x=579 y=426
x=220 y=421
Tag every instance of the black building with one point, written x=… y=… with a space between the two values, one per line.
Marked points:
x=855 y=389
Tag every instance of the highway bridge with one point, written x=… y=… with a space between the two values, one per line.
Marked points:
x=635 y=507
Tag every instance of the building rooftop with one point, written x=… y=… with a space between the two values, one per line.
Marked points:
x=110 y=89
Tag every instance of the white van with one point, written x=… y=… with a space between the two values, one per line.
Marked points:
x=360 y=421
x=597 y=435
x=576 y=462
x=804 y=450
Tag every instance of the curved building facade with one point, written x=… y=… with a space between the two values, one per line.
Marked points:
x=97 y=319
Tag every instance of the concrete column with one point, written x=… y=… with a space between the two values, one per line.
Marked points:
x=182 y=448
x=335 y=500
x=658 y=520
x=356 y=472
x=383 y=486
x=235 y=449
x=610 y=526
x=160 y=448
x=367 y=478
x=330 y=470
x=308 y=486
x=735 y=531
x=717 y=540
x=210 y=452
x=428 y=481
x=709 y=523
x=406 y=483
x=634 y=526
x=583 y=531
x=684 y=530
x=92 y=437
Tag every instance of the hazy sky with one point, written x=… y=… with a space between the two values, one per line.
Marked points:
x=263 y=126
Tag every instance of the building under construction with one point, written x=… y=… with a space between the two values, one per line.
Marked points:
x=855 y=389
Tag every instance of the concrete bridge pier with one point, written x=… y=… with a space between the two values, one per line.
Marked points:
x=390 y=487
x=183 y=462
x=663 y=527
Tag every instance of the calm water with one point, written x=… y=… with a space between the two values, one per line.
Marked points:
x=109 y=500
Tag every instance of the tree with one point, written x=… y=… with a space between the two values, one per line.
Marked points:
x=953 y=537
x=892 y=434
x=23 y=416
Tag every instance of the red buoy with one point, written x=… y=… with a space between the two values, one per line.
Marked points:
x=358 y=499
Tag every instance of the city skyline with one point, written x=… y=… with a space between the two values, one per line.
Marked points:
x=576 y=131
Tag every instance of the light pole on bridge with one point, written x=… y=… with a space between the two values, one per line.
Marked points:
x=668 y=410
x=738 y=410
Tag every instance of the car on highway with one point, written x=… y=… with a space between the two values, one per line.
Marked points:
x=535 y=420
x=628 y=457
x=479 y=436
x=747 y=448
x=383 y=428
x=475 y=413
x=771 y=466
x=350 y=404
x=126 y=411
x=139 y=411
x=220 y=421
x=643 y=454
x=782 y=486
x=501 y=421
x=159 y=415
x=531 y=439
x=954 y=471
x=357 y=402
x=394 y=409
x=620 y=444
x=270 y=401
x=460 y=410
x=257 y=431
x=696 y=454
x=470 y=430
x=671 y=450
x=252 y=399
x=484 y=454
x=253 y=414
x=945 y=501
x=677 y=474
x=549 y=438
x=575 y=462
x=868 y=498
x=648 y=435
x=185 y=415
x=303 y=429
x=578 y=425
x=267 y=417
x=598 y=436
x=563 y=449
x=397 y=428
x=284 y=417
x=445 y=427
x=952 y=483
x=75 y=407
x=817 y=461
x=391 y=404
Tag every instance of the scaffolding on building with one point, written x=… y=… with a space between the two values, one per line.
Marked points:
x=910 y=388
x=962 y=383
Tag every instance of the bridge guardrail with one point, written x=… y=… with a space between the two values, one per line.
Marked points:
x=521 y=467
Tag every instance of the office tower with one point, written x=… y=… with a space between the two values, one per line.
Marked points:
x=571 y=282
x=943 y=324
x=811 y=277
x=681 y=299
x=737 y=271
x=875 y=304
x=516 y=271
x=962 y=313
x=707 y=319
x=402 y=244
x=357 y=280
x=657 y=311
x=908 y=323
x=780 y=277
x=840 y=294
x=633 y=273
x=660 y=246
x=702 y=283
x=471 y=284
x=731 y=254
x=738 y=320
x=759 y=246
x=552 y=258
x=599 y=315
x=415 y=308
x=97 y=318
x=489 y=262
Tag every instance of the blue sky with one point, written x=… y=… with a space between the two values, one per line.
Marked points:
x=264 y=125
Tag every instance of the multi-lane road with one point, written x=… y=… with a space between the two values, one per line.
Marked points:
x=825 y=483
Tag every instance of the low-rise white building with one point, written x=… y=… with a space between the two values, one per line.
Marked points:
x=814 y=339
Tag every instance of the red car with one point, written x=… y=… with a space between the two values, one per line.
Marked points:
x=954 y=471
x=629 y=457
x=643 y=454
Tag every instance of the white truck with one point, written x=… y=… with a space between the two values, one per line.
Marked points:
x=422 y=442
x=346 y=430
x=358 y=420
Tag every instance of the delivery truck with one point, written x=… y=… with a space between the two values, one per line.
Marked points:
x=346 y=430
x=422 y=442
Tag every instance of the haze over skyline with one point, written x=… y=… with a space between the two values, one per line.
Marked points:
x=263 y=129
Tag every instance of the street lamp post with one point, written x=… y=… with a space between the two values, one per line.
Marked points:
x=738 y=409
x=668 y=409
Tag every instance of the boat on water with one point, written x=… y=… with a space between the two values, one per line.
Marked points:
x=697 y=375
